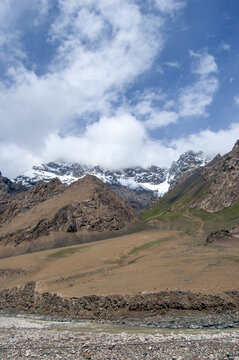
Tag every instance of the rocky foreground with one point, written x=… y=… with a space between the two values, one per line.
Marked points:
x=28 y=339
x=114 y=307
x=144 y=326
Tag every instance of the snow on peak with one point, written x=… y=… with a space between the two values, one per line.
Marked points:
x=153 y=178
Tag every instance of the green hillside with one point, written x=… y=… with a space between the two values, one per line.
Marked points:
x=176 y=210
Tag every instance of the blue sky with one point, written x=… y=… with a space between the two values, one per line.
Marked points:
x=117 y=83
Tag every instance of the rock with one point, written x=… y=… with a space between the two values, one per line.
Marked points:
x=86 y=355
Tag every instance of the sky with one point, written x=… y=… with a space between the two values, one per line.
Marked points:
x=116 y=83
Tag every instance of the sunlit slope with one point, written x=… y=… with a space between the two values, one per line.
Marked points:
x=149 y=261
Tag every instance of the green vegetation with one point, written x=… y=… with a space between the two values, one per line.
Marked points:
x=67 y=251
x=176 y=201
x=223 y=219
x=173 y=211
x=123 y=259
x=147 y=245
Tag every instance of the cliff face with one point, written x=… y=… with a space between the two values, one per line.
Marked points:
x=223 y=175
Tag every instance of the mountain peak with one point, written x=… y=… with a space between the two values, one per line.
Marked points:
x=236 y=146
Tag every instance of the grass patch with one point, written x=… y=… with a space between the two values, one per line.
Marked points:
x=224 y=219
x=135 y=260
x=174 y=212
x=199 y=223
x=147 y=245
x=123 y=260
x=67 y=251
x=176 y=201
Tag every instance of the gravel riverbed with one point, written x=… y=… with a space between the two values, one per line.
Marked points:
x=22 y=338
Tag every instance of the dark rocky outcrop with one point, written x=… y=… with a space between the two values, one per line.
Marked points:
x=7 y=187
x=20 y=199
x=138 y=199
x=222 y=235
x=112 y=307
x=217 y=236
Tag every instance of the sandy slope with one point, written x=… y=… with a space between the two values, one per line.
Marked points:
x=150 y=261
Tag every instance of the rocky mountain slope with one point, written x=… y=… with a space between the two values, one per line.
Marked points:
x=87 y=205
x=223 y=176
x=209 y=196
x=137 y=186
x=8 y=187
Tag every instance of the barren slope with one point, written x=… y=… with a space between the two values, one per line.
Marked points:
x=85 y=206
x=148 y=261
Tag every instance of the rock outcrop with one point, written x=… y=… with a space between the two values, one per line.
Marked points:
x=112 y=307
x=86 y=205
x=223 y=175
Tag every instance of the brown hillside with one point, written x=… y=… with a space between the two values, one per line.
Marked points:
x=14 y=203
x=86 y=205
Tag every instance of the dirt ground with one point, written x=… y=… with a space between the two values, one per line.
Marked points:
x=148 y=261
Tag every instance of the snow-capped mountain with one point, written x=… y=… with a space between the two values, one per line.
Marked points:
x=186 y=163
x=153 y=178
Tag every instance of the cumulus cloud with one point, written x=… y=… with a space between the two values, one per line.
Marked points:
x=161 y=118
x=115 y=142
x=152 y=108
x=98 y=48
x=73 y=110
x=194 y=99
x=85 y=76
x=203 y=63
x=211 y=142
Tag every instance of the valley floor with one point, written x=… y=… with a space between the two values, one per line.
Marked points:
x=29 y=339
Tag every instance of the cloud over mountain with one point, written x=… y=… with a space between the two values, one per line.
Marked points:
x=79 y=81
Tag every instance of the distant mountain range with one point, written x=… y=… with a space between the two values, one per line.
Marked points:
x=138 y=186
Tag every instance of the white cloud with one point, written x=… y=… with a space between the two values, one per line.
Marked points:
x=173 y=64
x=161 y=118
x=11 y=13
x=170 y=6
x=109 y=143
x=210 y=142
x=101 y=47
x=153 y=109
x=236 y=99
x=224 y=46
x=204 y=63
x=84 y=77
x=14 y=159
x=114 y=143
x=194 y=99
